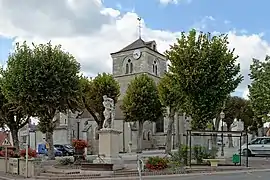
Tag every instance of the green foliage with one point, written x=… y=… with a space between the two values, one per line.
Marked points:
x=156 y=163
x=205 y=71
x=93 y=91
x=141 y=102
x=237 y=107
x=43 y=80
x=169 y=93
x=180 y=157
x=200 y=153
x=259 y=89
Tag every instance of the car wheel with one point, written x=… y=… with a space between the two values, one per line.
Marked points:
x=247 y=152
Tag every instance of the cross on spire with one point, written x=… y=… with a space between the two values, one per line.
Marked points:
x=140 y=27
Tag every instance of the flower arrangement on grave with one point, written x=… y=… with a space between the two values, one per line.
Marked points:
x=31 y=153
x=79 y=144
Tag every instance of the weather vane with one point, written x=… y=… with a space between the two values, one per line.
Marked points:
x=140 y=27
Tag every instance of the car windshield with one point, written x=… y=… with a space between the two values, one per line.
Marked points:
x=68 y=146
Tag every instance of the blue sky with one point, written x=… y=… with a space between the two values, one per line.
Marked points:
x=240 y=14
x=247 y=20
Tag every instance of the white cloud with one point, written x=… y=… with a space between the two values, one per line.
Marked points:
x=91 y=31
x=166 y=2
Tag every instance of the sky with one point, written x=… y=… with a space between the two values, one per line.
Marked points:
x=92 y=29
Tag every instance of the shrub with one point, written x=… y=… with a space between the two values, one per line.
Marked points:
x=79 y=144
x=156 y=163
x=31 y=153
x=180 y=157
x=200 y=153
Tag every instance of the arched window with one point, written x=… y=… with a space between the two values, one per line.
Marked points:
x=160 y=125
x=129 y=67
x=155 y=68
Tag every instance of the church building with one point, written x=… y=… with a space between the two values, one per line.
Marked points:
x=137 y=58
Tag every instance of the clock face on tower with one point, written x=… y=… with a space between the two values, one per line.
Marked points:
x=137 y=54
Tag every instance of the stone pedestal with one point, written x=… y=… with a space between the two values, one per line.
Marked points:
x=109 y=148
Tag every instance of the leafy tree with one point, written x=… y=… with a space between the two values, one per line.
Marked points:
x=206 y=73
x=237 y=108
x=259 y=90
x=13 y=117
x=171 y=98
x=43 y=80
x=93 y=91
x=141 y=103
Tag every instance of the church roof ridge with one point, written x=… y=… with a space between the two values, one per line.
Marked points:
x=139 y=43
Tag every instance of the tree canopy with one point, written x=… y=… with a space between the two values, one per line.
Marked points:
x=12 y=116
x=239 y=108
x=172 y=98
x=93 y=91
x=141 y=103
x=259 y=89
x=43 y=80
x=206 y=72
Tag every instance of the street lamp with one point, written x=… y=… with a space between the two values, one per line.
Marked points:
x=222 y=116
x=78 y=129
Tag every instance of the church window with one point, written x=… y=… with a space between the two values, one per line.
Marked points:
x=65 y=121
x=160 y=125
x=129 y=67
x=155 y=68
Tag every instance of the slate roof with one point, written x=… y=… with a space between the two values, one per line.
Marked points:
x=139 y=43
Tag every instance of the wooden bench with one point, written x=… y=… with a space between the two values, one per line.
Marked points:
x=96 y=167
x=213 y=162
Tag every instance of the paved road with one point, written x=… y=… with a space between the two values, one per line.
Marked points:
x=259 y=175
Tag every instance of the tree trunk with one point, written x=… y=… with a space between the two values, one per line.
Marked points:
x=14 y=134
x=230 y=139
x=216 y=128
x=168 y=147
x=139 y=137
x=49 y=140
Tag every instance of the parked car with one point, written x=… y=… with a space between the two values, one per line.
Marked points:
x=66 y=149
x=258 y=146
x=42 y=150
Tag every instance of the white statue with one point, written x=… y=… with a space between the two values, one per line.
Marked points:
x=109 y=112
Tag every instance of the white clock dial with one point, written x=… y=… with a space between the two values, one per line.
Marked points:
x=137 y=54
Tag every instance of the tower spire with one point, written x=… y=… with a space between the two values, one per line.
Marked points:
x=140 y=27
